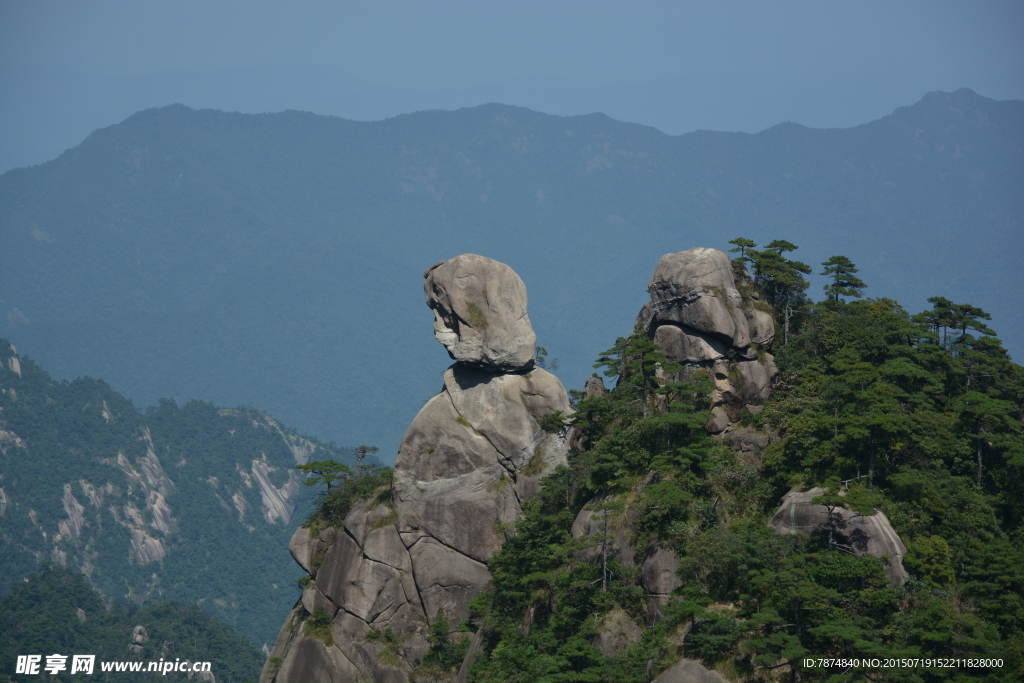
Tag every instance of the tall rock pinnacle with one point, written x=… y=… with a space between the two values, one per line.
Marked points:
x=703 y=315
x=467 y=461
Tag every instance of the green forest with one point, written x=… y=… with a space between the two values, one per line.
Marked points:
x=917 y=416
x=55 y=610
x=176 y=502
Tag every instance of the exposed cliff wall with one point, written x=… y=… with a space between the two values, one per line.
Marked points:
x=189 y=503
x=701 y=317
x=418 y=552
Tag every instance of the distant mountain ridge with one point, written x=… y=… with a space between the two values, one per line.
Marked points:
x=192 y=503
x=271 y=259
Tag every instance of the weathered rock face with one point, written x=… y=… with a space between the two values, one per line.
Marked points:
x=480 y=312
x=695 y=289
x=700 y=318
x=871 y=534
x=611 y=528
x=616 y=631
x=469 y=458
x=659 y=576
x=689 y=671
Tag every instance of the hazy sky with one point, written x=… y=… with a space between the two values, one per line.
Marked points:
x=67 y=68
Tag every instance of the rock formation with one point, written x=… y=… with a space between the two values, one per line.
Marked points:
x=468 y=459
x=701 y=317
x=480 y=312
x=689 y=671
x=871 y=534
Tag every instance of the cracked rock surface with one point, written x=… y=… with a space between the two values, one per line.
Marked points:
x=705 y=316
x=467 y=461
x=479 y=309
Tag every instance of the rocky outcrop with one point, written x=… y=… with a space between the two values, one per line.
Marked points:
x=480 y=312
x=465 y=464
x=701 y=318
x=616 y=631
x=695 y=290
x=689 y=671
x=860 y=534
x=659 y=576
x=606 y=529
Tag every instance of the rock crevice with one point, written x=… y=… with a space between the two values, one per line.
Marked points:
x=701 y=318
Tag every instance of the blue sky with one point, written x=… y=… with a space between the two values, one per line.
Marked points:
x=67 y=68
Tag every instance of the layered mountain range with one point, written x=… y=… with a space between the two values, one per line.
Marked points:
x=270 y=259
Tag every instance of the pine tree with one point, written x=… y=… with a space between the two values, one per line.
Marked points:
x=844 y=282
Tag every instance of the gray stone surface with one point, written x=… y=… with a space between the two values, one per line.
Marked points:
x=616 y=631
x=699 y=318
x=659 y=576
x=719 y=420
x=446 y=578
x=480 y=315
x=594 y=387
x=753 y=383
x=460 y=467
x=611 y=536
x=309 y=661
x=475 y=647
x=684 y=344
x=313 y=599
x=871 y=534
x=469 y=458
x=282 y=646
x=760 y=324
x=303 y=548
x=689 y=671
x=696 y=288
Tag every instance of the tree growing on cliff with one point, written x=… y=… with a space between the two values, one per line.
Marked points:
x=781 y=280
x=325 y=472
x=844 y=281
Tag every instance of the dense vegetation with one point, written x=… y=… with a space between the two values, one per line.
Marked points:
x=919 y=416
x=81 y=446
x=275 y=259
x=55 y=610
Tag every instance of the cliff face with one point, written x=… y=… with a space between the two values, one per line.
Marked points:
x=417 y=553
x=180 y=503
x=703 y=318
x=405 y=559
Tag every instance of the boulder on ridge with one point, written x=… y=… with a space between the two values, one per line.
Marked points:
x=702 y=319
x=871 y=534
x=479 y=309
x=696 y=288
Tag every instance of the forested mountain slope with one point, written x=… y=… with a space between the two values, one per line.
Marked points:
x=56 y=611
x=274 y=259
x=877 y=415
x=191 y=503
x=769 y=483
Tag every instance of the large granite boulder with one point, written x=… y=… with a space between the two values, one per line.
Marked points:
x=479 y=309
x=604 y=532
x=701 y=319
x=473 y=453
x=871 y=534
x=467 y=461
x=616 y=631
x=696 y=288
x=659 y=576
x=304 y=548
